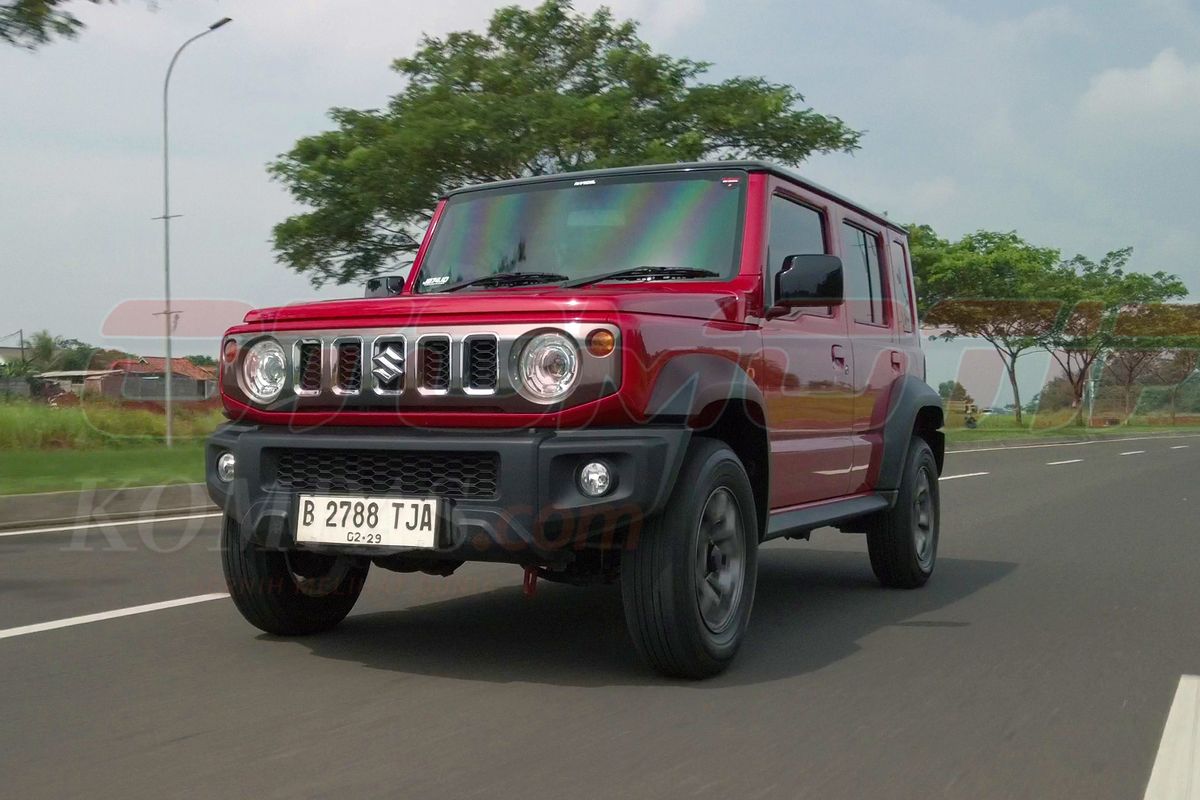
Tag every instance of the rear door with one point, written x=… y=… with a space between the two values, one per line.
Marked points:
x=878 y=361
x=806 y=365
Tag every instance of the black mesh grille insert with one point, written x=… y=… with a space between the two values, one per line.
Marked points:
x=349 y=366
x=435 y=363
x=385 y=472
x=481 y=364
x=310 y=366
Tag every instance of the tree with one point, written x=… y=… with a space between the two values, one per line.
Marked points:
x=926 y=251
x=32 y=23
x=1126 y=368
x=202 y=361
x=544 y=91
x=1096 y=295
x=994 y=286
x=952 y=390
x=47 y=352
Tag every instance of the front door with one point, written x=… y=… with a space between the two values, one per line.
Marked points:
x=806 y=370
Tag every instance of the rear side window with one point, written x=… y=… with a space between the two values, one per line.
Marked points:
x=864 y=278
x=796 y=230
x=900 y=288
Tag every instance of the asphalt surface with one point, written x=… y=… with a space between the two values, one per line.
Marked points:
x=1040 y=662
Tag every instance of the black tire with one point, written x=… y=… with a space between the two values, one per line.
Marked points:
x=289 y=593
x=661 y=581
x=903 y=540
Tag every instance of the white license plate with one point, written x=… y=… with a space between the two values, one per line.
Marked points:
x=359 y=520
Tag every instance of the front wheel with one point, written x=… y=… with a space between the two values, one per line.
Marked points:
x=289 y=593
x=903 y=540
x=687 y=582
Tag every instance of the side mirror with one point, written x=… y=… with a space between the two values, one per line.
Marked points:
x=386 y=286
x=809 y=280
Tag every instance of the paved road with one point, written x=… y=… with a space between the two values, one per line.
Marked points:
x=1040 y=662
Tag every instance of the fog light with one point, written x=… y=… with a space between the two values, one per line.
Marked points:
x=595 y=479
x=226 y=467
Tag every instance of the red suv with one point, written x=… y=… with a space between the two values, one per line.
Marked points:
x=634 y=375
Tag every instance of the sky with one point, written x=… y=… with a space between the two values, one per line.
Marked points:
x=1076 y=124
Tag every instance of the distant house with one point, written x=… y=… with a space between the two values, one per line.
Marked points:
x=145 y=378
x=75 y=380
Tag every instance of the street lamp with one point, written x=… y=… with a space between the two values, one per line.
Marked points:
x=166 y=218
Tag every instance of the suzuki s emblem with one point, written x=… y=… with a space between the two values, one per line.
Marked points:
x=388 y=363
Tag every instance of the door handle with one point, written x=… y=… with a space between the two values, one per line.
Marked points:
x=839 y=358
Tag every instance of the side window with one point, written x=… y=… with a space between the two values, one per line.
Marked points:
x=900 y=287
x=864 y=280
x=795 y=230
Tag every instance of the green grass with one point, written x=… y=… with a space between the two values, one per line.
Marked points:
x=96 y=424
x=997 y=427
x=27 y=470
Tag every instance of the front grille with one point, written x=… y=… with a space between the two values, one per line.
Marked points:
x=381 y=472
x=433 y=354
x=309 y=367
x=348 y=366
x=481 y=371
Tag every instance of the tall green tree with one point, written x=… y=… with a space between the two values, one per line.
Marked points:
x=32 y=23
x=992 y=286
x=544 y=90
x=1096 y=295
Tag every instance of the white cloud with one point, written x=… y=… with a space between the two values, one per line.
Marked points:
x=1158 y=101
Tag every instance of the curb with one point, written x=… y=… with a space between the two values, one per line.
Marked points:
x=51 y=509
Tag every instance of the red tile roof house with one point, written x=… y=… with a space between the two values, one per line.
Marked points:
x=144 y=378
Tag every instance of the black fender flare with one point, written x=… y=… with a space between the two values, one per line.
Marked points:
x=910 y=397
x=690 y=383
x=694 y=391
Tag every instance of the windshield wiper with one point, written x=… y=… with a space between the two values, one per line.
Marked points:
x=507 y=279
x=642 y=272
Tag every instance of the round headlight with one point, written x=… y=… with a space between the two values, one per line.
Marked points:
x=264 y=371
x=548 y=367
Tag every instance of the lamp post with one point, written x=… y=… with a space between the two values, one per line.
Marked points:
x=166 y=218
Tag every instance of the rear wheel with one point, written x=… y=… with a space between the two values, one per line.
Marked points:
x=289 y=593
x=903 y=540
x=687 y=582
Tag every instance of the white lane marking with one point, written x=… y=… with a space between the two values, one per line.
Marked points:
x=1176 y=773
x=1068 y=461
x=1180 y=446
x=964 y=475
x=142 y=521
x=1068 y=444
x=1133 y=453
x=114 y=614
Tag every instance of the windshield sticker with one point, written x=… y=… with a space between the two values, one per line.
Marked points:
x=584 y=183
x=436 y=280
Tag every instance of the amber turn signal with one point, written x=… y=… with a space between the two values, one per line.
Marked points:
x=229 y=351
x=600 y=342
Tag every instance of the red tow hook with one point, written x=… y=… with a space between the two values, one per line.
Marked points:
x=529 y=585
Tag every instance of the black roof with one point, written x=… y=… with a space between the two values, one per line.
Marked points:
x=749 y=166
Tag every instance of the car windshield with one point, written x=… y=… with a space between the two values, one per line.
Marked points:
x=577 y=228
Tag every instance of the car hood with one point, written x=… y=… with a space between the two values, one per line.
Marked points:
x=498 y=305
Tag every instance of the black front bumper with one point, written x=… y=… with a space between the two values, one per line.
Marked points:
x=533 y=513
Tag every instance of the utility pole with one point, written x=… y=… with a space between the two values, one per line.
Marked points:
x=166 y=218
